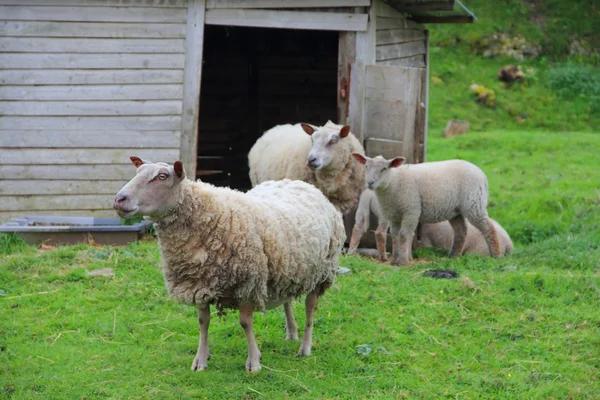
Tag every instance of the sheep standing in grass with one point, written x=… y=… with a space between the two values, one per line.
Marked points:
x=430 y=192
x=320 y=156
x=438 y=235
x=247 y=251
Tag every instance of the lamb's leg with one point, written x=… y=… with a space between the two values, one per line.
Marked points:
x=459 y=225
x=291 y=328
x=403 y=236
x=311 y=307
x=381 y=239
x=357 y=233
x=253 y=361
x=203 y=354
x=486 y=227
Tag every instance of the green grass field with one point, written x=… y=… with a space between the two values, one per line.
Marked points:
x=521 y=327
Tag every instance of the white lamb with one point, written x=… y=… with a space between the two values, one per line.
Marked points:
x=438 y=235
x=430 y=192
x=317 y=155
x=249 y=251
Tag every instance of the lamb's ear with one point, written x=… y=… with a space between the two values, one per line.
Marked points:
x=138 y=162
x=397 y=161
x=345 y=131
x=308 y=129
x=360 y=158
x=179 y=170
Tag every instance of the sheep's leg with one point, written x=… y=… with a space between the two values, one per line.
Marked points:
x=253 y=361
x=403 y=237
x=357 y=233
x=311 y=307
x=486 y=227
x=381 y=239
x=203 y=354
x=459 y=225
x=291 y=328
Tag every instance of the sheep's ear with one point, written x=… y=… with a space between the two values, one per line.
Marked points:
x=397 y=161
x=308 y=129
x=345 y=131
x=179 y=170
x=138 y=162
x=360 y=158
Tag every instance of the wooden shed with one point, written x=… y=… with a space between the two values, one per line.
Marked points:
x=87 y=83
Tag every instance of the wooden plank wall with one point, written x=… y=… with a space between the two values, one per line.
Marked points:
x=85 y=84
x=399 y=41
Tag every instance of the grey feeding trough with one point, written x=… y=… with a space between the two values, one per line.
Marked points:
x=69 y=230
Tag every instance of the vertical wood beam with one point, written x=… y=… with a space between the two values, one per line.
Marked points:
x=192 y=76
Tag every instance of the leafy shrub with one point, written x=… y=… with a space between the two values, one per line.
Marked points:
x=576 y=80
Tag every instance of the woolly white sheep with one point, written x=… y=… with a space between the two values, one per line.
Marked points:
x=438 y=235
x=317 y=155
x=249 y=251
x=441 y=235
x=430 y=192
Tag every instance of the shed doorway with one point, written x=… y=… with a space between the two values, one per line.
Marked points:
x=252 y=80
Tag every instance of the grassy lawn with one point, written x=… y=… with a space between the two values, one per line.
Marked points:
x=525 y=326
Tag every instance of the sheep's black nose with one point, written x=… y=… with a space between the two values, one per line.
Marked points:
x=312 y=162
x=120 y=198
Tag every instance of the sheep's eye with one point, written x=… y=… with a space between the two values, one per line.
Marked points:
x=332 y=142
x=162 y=177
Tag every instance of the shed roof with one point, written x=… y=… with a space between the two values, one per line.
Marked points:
x=434 y=11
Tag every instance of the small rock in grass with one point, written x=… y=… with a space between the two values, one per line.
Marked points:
x=102 y=272
x=441 y=273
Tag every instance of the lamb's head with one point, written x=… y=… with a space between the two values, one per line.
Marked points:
x=154 y=191
x=378 y=169
x=330 y=146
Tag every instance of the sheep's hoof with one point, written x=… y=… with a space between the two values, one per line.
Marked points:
x=199 y=366
x=302 y=352
x=253 y=367
x=292 y=336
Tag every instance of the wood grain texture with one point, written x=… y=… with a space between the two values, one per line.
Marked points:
x=400 y=50
x=89 y=138
x=98 y=3
x=48 y=29
x=59 y=187
x=90 y=108
x=417 y=61
x=91 y=61
x=192 y=77
x=211 y=4
x=87 y=172
x=288 y=19
x=57 y=202
x=386 y=148
x=56 y=156
x=92 y=92
x=393 y=36
x=69 y=45
x=93 y=14
x=145 y=123
x=89 y=77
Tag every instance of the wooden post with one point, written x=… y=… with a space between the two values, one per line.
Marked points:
x=192 y=77
x=425 y=97
x=346 y=56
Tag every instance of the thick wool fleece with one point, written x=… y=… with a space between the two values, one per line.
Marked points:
x=441 y=235
x=264 y=247
x=282 y=151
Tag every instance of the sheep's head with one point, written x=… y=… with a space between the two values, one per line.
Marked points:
x=330 y=146
x=153 y=192
x=378 y=169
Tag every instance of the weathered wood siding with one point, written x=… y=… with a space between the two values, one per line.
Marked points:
x=400 y=42
x=84 y=85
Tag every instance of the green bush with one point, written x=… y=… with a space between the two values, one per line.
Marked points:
x=576 y=80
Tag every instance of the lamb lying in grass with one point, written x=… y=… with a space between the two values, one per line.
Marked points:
x=248 y=251
x=430 y=192
x=438 y=235
x=317 y=155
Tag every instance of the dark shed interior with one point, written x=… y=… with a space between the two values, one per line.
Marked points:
x=252 y=80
